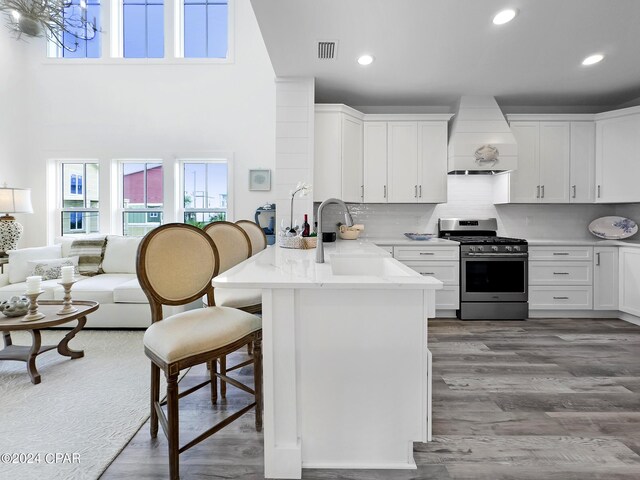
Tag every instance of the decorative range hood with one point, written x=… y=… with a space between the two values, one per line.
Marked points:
x=481 y=141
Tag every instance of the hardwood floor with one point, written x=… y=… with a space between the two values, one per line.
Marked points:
x=542 y=399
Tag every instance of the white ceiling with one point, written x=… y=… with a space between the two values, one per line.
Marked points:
x=429 y=52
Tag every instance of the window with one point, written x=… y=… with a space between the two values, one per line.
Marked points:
x=206 y=28
x=143 y=28
x=79 y=208
x=205 y=191
x=142 y=197
x=82 y=42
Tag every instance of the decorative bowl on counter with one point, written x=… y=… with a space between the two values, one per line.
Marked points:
x=303 y=243
x=350 y=233
x=420 y=236
x=613 y=228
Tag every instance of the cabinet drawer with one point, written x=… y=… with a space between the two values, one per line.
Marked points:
x=387 y=248
x=560 y=273
x=448 y=298
x=447 y=272
x=560 y=253
x=564 y=298
x=426 y=253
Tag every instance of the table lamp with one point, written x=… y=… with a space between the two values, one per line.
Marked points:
x=12 y=200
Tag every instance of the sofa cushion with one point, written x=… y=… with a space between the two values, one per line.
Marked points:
x=19 y=260
x=91 y=252
x=50 y=288
x=98 y=288
x=51 y=268
x=120 y=254
x=67 y=240
x=129 y=292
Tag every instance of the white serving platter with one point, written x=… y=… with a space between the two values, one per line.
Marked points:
x=613 y=228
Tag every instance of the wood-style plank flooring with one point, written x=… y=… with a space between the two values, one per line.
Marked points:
x=541 y=399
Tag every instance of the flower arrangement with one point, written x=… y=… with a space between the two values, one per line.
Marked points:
x=303 y=189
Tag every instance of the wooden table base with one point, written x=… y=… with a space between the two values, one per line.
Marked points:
x=28 y=354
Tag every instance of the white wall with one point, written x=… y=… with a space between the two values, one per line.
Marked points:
x=472 y=197
x=158 y=109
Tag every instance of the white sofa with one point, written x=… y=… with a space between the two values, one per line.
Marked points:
x=123 y=304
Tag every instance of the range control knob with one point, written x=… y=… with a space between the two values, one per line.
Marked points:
x=508 y=248
x=480 y=249
x=494 y=248
x=516 y=248
x=472 y=249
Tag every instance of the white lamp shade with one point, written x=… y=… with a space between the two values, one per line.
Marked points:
x=15 y=200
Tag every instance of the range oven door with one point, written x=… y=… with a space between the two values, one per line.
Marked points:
x=494 y=278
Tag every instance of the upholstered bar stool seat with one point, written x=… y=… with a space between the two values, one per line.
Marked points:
x=197 y=331
x=237 y=298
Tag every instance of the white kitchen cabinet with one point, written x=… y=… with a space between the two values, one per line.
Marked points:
x=583 y=158
x=629 y=280
x=543 y=162
x=560 y=298
x=605 y=278
x=432 y=162
x=618 y=157
x=338 y=156
x=375 y=162
x=402 y=162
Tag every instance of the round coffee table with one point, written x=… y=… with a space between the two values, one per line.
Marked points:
x=51 y=319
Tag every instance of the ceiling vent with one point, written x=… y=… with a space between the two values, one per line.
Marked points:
x=327 y=50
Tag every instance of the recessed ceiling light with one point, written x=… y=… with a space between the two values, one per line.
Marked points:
x=505 y=16
x=365 y=59
x=593 y=59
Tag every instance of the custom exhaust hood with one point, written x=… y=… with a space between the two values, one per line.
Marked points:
x=481 y=141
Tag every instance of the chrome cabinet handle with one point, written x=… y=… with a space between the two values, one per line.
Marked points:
x=574 y=191
x=361 y=191
x=561 y=273
x=385 y=191
x=415 y=191
x=561 y=253
x=538 y=192
x=427 y=253
x=420 y=191
x=427 y=273
x=542 y=191
x=598 y=259
x=598 y=191
x=561 y=298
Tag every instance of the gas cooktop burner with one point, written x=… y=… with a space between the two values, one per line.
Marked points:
x=486 y=240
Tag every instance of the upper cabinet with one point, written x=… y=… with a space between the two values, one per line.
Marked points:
x=555 y=162
x=618 y=156
x=338 y=157
x=405 y=161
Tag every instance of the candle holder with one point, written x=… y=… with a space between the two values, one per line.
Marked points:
x=67 y=303
x=32 y=313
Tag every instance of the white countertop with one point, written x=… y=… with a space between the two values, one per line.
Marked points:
x=402 y=240
x=277 y=267
x=537 y=242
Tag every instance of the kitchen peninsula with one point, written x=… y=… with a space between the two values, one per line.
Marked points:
x=342 y=341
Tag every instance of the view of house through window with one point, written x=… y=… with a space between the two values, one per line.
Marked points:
x=205 y=192
x=142 y=197
x=80 y=198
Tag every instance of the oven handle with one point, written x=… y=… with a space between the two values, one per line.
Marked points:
x=497 y=255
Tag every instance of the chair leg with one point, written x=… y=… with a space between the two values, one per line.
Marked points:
x=250 y=348
x=213 y=369
x=223 y=371
x=257 y=378
x=155 y=398
x=173 y=434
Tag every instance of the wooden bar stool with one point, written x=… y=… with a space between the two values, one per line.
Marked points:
x=175 y=266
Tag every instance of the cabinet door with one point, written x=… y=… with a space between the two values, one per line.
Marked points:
x=618 y=159
x=629 y=278
x=327 y=167
x=352 y=185
x=605 y=278
x=583 y=157
x=432 y=162
x=524 y=182
x=555 y=144
x=375 y=162
x=403 y=162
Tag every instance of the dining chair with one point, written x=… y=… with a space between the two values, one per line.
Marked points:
x=256 y=235
x=175 y=266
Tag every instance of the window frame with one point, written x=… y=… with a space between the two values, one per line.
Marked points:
x=121 y=210
x=60 y=209
x=179 y=35
x=182 y=211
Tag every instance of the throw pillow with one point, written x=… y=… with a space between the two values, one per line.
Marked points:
x=52 y=269
x=120 y=254
x=19 y=259
x=91 y=252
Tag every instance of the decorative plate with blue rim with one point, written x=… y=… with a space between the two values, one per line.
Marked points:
x=613 y=228
x=419 y=236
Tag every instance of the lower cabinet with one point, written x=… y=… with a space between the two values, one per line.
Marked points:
x=560 y=298
x=629 y=288
x=605 y=278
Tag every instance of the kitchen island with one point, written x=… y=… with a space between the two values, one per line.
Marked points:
x=347 y=381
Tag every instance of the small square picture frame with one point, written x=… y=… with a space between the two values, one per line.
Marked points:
x=259 y=180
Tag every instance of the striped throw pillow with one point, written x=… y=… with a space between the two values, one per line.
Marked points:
x=90 y=253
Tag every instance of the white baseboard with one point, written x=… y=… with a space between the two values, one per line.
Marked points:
x=574 y=314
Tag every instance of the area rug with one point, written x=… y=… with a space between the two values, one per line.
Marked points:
x=81 y=415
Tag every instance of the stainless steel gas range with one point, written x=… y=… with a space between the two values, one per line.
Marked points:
x=493 y=270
